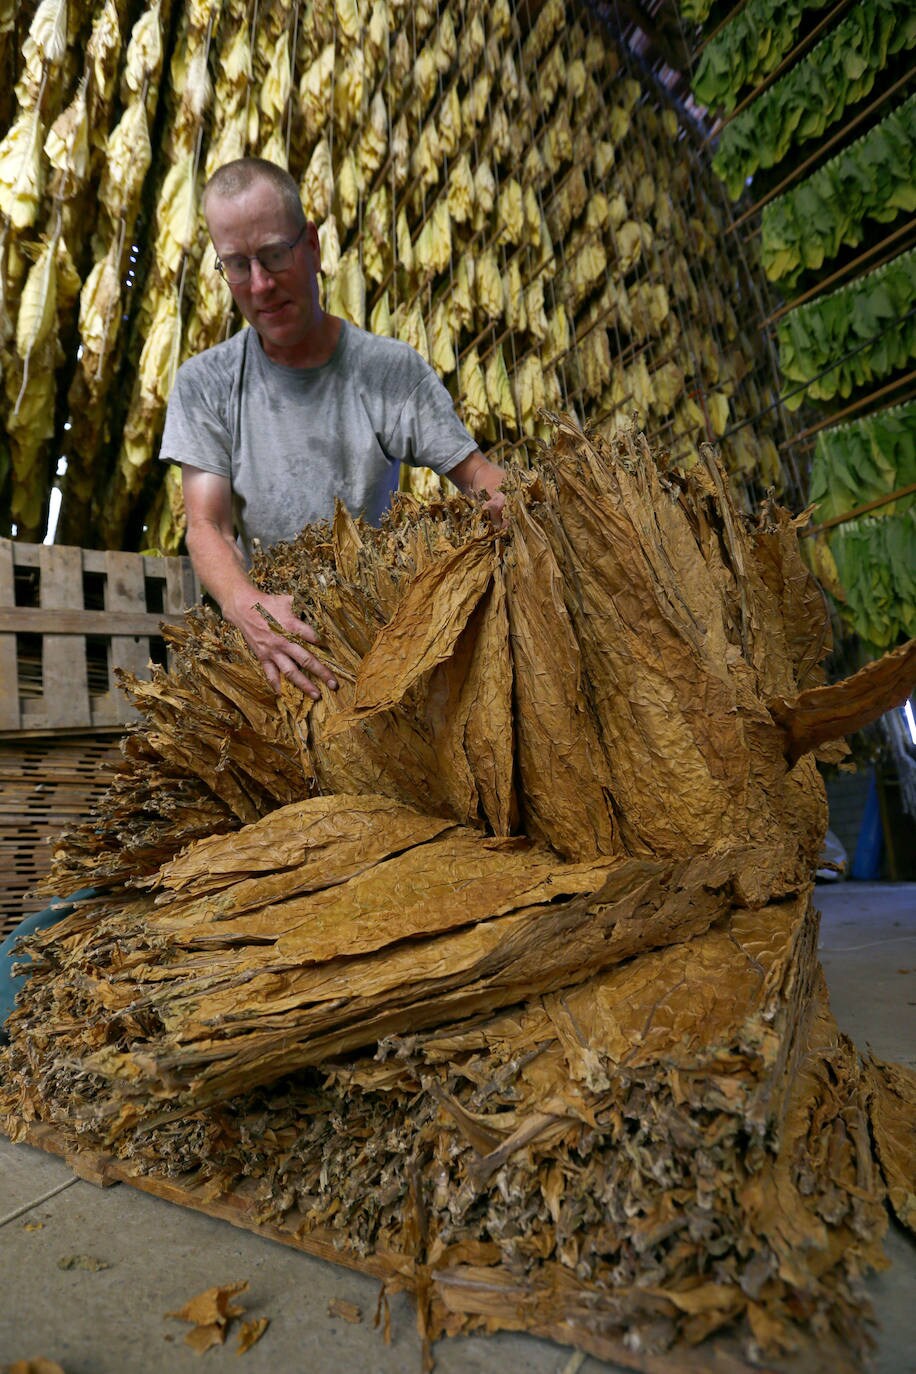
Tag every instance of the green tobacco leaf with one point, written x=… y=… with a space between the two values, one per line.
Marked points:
x=840 y=70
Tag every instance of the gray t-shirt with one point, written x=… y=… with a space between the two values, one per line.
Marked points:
x=291 y=440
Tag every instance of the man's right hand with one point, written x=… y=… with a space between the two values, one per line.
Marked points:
x=219 y=565
x=278 y=656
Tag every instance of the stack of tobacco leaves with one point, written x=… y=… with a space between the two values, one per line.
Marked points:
x=498 y=964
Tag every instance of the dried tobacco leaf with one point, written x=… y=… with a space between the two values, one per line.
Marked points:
x=339 y=1307
x=250 y=1333
x=563 y=777
x=892 y=1112
x=600 y=1095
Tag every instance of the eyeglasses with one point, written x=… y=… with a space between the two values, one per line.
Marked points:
x=273 y=257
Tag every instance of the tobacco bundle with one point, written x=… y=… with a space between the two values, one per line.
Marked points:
x=549 y=849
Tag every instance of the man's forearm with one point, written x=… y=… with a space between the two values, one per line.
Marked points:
x=218 y=563
x=476 y=474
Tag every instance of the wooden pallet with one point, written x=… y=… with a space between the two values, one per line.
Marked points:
x=69 y=618
x=455 y=1286
x=47 y=785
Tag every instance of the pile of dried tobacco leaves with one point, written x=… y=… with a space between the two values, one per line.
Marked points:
x=498 y=965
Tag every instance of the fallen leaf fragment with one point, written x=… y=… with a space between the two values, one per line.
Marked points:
x=212 y=1307
x=38 y=1366
x=90 y=1262
x=203 y=1338
x=33 y=1226
x=250 y=1333
x=339 y=1307
x=210 y=1312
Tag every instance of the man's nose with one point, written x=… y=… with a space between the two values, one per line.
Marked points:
x=260 y=278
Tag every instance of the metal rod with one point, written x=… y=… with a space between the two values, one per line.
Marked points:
x=853 y=514
x=788 y=61
x=818 y=153
x=849 y=410
x=840 y=272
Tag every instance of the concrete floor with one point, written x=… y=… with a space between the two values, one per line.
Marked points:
x=112 y=1320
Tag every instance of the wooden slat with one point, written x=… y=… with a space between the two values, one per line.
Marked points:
x=9 y=675
x=37 y=620
x=53 y=694
x=126 y=592
x=65 y=689
x=47 y=784
x=182 y=589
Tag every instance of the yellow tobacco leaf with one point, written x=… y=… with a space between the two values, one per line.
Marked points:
x=473 y=393
x=405 y=249
x=484 y=187
x=274 y=91
x=348 y=190
x=488 y=285
x=99 y=308
x=373 y=139
x=558 y=333
x=514 y=297
x=449 y=125
x=409 y=327
x=380 y=318
x=315 y=92
x=128 y=156
x=176 y=215
x=144 y=52
x=274 y=149
x=441 y=346
x=499 y=389
x=717 y=405
x=446 y=42
x=329 y=246
x=349 y=18
x=68 y=279
x=510 y=214
x=349 y=89
x=377 y=32
x=235 y=59
x=159 y=356
x=400 y=152
x=102 y=51
x=475 y=103
x=461 y=190
x=21 y=172
x=629 y=245
x=317 y=186
x=426 y=156
x=48 y=30
x=529 y=391
x=347 y=291
x=433 y=248
x=67 y=143
x=461 y=297
x=38 y=305
x=425 y=75
x=534 y=310
x=377 y=231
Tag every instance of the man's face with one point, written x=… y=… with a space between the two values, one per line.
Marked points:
x=284 y=306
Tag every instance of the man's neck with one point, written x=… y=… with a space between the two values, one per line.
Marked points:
x=312 y=351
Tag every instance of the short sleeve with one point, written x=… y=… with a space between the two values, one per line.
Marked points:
x=428 y=432
x=195 y=430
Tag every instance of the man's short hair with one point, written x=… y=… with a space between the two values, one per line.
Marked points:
x=233 y=178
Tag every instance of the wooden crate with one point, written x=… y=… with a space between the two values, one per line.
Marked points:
x=47 y=784
x=68 y=618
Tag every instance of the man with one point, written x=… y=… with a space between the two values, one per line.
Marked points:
x=302 y=408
